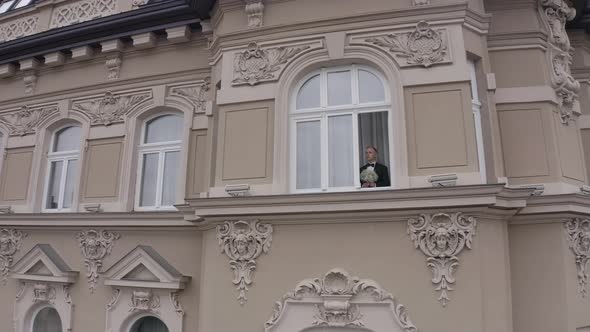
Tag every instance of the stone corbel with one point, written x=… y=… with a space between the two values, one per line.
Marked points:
x=243 y=242
x=30 y=80
x=255 y=11
x=578 y=235
x=442 y=237
x=113 y=65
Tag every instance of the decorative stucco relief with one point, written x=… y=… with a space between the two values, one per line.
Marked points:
x=113 y=67
x=18 y=28
x=338 y=300
x=578 y=234
x=422 y=47
x=255 y=11
x=555 y=14
x=43 y=293
x=442 y=237
x=138 y=3
x=110 y=108
x=82 y=11
x=144 y=300
x=10 y=243
x=197 y=94
x=420 y=2
x=25 y=120
x=243 y=242
x=256 y=64
x=30 y=80
x=95 y=246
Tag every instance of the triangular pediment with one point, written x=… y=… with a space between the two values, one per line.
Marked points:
x=43 y=263
x=144 y=267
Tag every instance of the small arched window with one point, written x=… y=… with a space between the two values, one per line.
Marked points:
x=47 y=320
x=63 y=163
x=159 y=162
x=337 y=114
x=149 y=324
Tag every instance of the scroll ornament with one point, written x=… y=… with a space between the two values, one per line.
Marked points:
x=423 y=46
x=25 y=120
x=111 y=108
x=337 y=290
x=442 y=237
x=243 y=242
x=95 y=246
x=256 y=65
x=198 y=95
x=10 y=243
x=578 y=234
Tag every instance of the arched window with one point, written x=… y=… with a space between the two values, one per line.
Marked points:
x=337 y=113
x=63 y=163
x=47 y=320
x=159 y=162
x=149 y=324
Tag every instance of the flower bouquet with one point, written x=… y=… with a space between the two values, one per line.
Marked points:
x=369 y=175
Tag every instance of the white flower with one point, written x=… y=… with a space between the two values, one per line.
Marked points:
x=369 y=175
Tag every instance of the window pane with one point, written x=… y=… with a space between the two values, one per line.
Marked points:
x=339 y=89
x=370 y=88
x=55 y=171
x=47 y=320
x=163 y=129
x=149 y=178
x=4 y=7
x=309 y=94
x=149 y=324
x=67 y=139
x=309 y=168
x=71 y=175
x=23 y=3
x=340 y=147
x=373 y=131
x=171 y=168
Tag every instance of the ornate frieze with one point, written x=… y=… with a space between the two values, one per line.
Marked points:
x=110 y=108
x=578 y=234
x=197 y=94
x=44 y=292
x=144 y=300
x=243 y=242
x=95 y=246
x=25 y=120
x=255 y=11
x=338 y=299
x=256 y=64
x=555 y=14
x=82 y=11
x=18 y=28
x=442 y=237
x=422 y=47
x=10 y=243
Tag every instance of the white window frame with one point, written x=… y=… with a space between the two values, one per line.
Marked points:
x=476 y=109
x=150 y=148
x=324 y=112
x=66 y=157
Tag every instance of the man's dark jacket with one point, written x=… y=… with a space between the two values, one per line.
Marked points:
x=382 y=172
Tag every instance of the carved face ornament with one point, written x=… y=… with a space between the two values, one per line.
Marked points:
x=241 y=245
x=7 y=245
x=93 y=248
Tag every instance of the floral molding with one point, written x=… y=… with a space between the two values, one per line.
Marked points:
x=25 y=120
x=442 y=237
x=258 y=64
x=111 y=107
x=243 y=242
x=424 y=46
x=19 y=28
x=555 y=14
x=578 y=235
x=197 y=94
x=82 y=11
x=95 y=246
x=337 y=300
x=10 y=243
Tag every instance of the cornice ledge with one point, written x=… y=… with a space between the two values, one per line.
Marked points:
x=553 y=208
x=206 y=210
x=86 y=219
x=511 y=5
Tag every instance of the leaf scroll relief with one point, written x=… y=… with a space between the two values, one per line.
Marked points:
x=110 y=108
x=10 y=243
x=95 y=246
x=442 y=237
x=256 y=64
x=578 y=234
x=243 y=242
x=26 y=119
x=422 y=47
x=196 y=94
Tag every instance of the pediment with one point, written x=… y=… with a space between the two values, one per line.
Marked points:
x=145 y=267
x=43 y=263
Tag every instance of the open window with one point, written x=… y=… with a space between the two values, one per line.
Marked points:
x=337 y=114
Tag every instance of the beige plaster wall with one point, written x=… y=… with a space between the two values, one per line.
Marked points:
x=89 y=311
x=529 y=63
x=379 y=251
x=16 y=173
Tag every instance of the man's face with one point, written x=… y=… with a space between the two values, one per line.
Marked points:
x=371 y=155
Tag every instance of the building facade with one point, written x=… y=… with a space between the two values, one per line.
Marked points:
x=200 y=165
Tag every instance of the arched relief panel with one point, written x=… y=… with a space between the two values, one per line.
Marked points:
x=339 y=302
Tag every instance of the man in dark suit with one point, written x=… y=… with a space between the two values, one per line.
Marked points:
x=371 y=154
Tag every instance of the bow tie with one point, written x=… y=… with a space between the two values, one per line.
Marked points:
x=372 y=165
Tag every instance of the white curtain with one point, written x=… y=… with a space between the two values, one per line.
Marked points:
x=308 y=155
x=47 y=320
x=373 y=131
x=340 y=151
x=149 y=324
